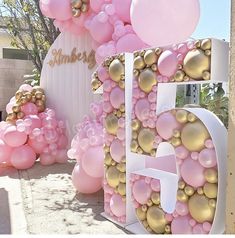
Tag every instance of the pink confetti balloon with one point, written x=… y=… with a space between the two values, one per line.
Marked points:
x=123 y=10
x=182 y=208
x=207 y=158
x=180 y=225
x=141 y=191
x=23 y=157
x=159 y=22
x=14 y=138
x=117 y=97
x=117 y=205
x=117 y=150
x=38 y=147
x=192 y=173
x=85 y=183
x=29 y=109
x=142 y=109
x=47 y=159
x=5 y=152
x=93 y=162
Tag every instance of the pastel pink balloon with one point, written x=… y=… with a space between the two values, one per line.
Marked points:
x=9 y=107
x=129 y=43
x=49 y=123
x=159 y=22
x=61 y=156
x=123 y=10
x=117 y=97
x=181 y=208
x=193 y=173
x=23 y=157
x=96 y=5
x=117 y=205
x=14 y=138
x=93 y=161
x=85 y=183
x=29 y=109
x=155 y=185
x=198 y=229
x=5 y=152
x=62 y=142
x=47 y=159
x=207 y=158
x=166 y=124
x=38 y=147
x=51 y=135
x=35 y=121
x=181 y=152
x=206 y=226
x=142 y=109
x=141 y=191
x=117 y=150
x=167 y=63
x=26 y=87
x=180 y=225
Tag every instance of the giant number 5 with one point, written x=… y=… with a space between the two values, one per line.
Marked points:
x=163 y=165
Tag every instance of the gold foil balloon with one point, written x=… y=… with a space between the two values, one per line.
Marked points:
x=122 y=189
x=141 y=215
x=155 y=197
x=147 y=80
x=156 y=219
x=181 y=116
x=179 y=76
x=200 y=210
x=150 y=57
x=76 y=3
x=146 y=139
x=111 y=124
x=116 y=70
x=210 y=190
x=108 y=159
x=122 y=177
x=134 y=145
x=135 y=124
x=206 y=44
x=15 y=109
x=182 y=196
x=211 y=175
x=194 y=135
x=181 y=184
x=195 y=63
x=112 y=176
x=189 y=190
x=139 y=63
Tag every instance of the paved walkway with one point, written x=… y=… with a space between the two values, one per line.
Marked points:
x=42 y=200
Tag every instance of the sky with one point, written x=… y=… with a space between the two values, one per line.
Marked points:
x=214 y=20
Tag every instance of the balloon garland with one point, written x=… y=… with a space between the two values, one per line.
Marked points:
x=31 y=131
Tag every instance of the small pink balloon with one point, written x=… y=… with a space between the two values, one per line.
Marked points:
x=181 y=152
x=193 y=173
x=117 y=97
x=206 y=226
x=198 y=229
x=49 y=123
x=38 y=147
x=166 y=124
x=85 y=183
x=155 y=185
x=14 y=138
x=26 y=87
x=23 y=157
x=61 y=156
x=180 y=225
x=96 y=5
x=51 y=136
x=93 y=161
x=182 y=208
x=141 y=191
x=207 y=158
x=142 y=109
x=167 y=63
x=35 y=121
x=123 y=10
x=62 y=142
x=117 y=150
x=5 y=152
x=117 y=205
x=29 y=109
x=9 y=107
x=47 y=159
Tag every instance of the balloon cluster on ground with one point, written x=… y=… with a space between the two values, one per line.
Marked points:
x=87 y=149
x=31 y=131
x=124 y=26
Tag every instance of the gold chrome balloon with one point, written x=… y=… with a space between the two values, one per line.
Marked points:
x=141 y=215
x=210 y=190
x=147 y=80
x=20 y=115
x=206 y=44
x=18 y=95
x=195 y=63
x=181 y=184
x=181 y=116
x=206 y=75
x=175 y=142
x=146 y=139
x=16 y=109
x=156 y=219
x=194 y=135
x=111 y=124
x=200 y=210
x=122 y=189
x=182 y=196
x=116 y=70
x=121 y=167
x=179 y=76
x=122 y=177
x=155 y=197
x=191 y=117
x=150 y=57
x=149 y=203
x=76 y=3
x=108 y=159
x=211 y=175
x=84 y=8
x=135 y=124
x=112 y=176
x=212 y=203
x=139 y=63
x=189 y=190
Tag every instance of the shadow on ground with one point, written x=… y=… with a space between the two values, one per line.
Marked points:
x=5 y=219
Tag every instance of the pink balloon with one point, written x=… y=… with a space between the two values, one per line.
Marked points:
x=49 y=123
x=61 y=156
x=26 y=87
x=51 y=135
x=93 y=161
x=9 y=107
x=141 y=191
x=14 y=138
x=117 y=150
x=129 y=43
x=192 y=173
x=181 y=208
x=47 y=159
x=181 y=152
x=167 y=63
x=142 y=109
x=96 y=5
x=85 y=183
x=5 y=152
x=117 y=97
x=23 y=157
x=29 y=109
x=198 y=229
x=62 y=142
x=117 y=205
x=155 y=185
x=207 y=158
x=35 y=121
x=164 y=22
x=180 y=225
x=166 y=124
x=38 y=147
x=123 y=10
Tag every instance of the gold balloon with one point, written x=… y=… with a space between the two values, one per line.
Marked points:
x=15 y=109
x=41 y=108
x=121 y=167
x=28 y=96
x=20 y=115
x=206 y=44
x=135 y=124
x=195 y=63
x=108 y=159
x=155 y=197
x=146 y=139
x=18 y=95
x=156 y=219
x=116 y=70
x=147 y=80
x=145 y=224
x=111 y=124
x=182 y=196
x=140 y=214
x=144 y=208
x=122 y=189
x=39 y=103
x=200 y=191
x=211 y=175
x=181 y=184
x=12 y=116
x=23 y=100
x=121 y=84
x=112 y=176
x=139 y=63
x=122 y=177
x=84 y=8
x=158 y=51
x=76 y=3
x=179 y=76
x=189 y=190
x=33 y=99
x=95 y=83
x=212 y=203
x=168 y=229
x=134 y=135
x=150 y=57
x=206 y=75
x=181 y=116
x=210 y=190
x=191 y=117
x=149 y=203
x=194 y=135
x=175 y=142
x=199 y=208
x=38 y=95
